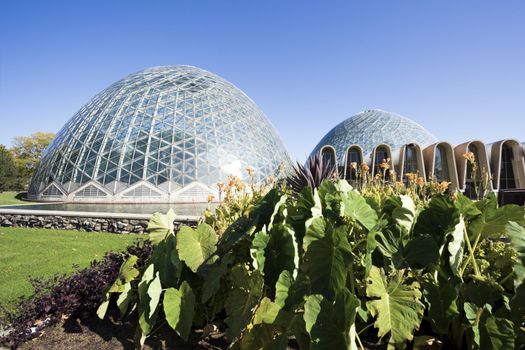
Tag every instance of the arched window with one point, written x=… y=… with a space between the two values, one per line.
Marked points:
x=441 y=164
x=328 y=155
x=381 y=155
x=506 y=177
x=473 y=179
x=410 y=161
x=353 y=156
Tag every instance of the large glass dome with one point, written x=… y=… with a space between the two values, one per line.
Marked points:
x=166 y=133
x=371 y=128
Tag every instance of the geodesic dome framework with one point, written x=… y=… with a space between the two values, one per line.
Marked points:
x=164 y=134
x=371 y=128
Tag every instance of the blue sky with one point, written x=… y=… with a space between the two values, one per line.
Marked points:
x=456 y=67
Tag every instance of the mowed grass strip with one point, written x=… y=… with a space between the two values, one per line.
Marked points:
x=26 y=252
x=11 y=197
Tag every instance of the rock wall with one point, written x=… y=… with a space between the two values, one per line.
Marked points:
x=116 y=225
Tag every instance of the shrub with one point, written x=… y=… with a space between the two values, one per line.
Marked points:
x=333 y=268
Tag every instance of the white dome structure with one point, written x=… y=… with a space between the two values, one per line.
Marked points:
x=164 y=134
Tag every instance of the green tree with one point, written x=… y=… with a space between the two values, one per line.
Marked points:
x=27 y=151
x=8 y=171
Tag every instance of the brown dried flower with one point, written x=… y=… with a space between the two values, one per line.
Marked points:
x=469 y=156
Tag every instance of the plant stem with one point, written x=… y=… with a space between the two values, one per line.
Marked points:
x=511 y=274
x=359 y=341
x=471 y=252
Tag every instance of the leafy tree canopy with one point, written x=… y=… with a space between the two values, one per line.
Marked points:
x=27 y=151
x=8 y=176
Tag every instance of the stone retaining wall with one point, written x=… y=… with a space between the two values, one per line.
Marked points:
x=116 y=225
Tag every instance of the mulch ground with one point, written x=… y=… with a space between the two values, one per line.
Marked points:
x=89 y=332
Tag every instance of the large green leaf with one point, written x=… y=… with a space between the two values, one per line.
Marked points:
x=195 y=247
x=308 y=205
x=269 y=328
x=127 y=273
x=440 y=217
x=246 y=291
x=389 y=241
x=517 y=239
x=280 y=254
x=326 y=261
x=179 y=307
x=490 y=332
x=492 y=221
x=124 y=299
x=269 y=312
x=262 y=337
x=264 y=210
x=356 y=207
x=405 y=214
x=466 y=207
x=160 y=225
x=472 y=314
x=316 y=230
x=442 y=304
x=259 y=244
x=213 y=275
x=147 y=317
x=278 y=215
x=297 y=292
x=330 y=324
x=397 y=306
x=419 y=252
x=455 y=246
x=154 y=293
x=235 y=233
x=103 y=308
x=481 y=292
x=167 y=262
x=495 y=333
x=282 y=287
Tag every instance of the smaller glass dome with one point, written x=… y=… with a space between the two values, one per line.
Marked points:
x=371 y=128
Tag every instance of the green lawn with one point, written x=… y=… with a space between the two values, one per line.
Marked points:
x=33 y=252
x=11 y=197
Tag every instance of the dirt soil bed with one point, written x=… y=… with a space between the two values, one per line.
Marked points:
x=88 y=332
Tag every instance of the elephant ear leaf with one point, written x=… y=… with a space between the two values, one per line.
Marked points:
x=405 y=215
x=396 y=306
x=179 y=307
x=517 y=239
x=495 y=333
x=160 y=225
x=356 y=207
x=195 y=247
x=331 y=325
x=246 y=292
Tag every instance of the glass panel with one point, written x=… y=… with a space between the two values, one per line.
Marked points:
x=328 y=155
x=473 y=179
x=353 y=158
x=410 y=162
x=441 y=172
x=506 y=177
x=380 y=157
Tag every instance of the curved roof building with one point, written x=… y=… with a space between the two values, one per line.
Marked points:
x=371 y=128
x=394 y=146
x=164 y=134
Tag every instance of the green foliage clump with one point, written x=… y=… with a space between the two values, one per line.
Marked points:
x=8 y=171
x=333 y=268
x=27 y=151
